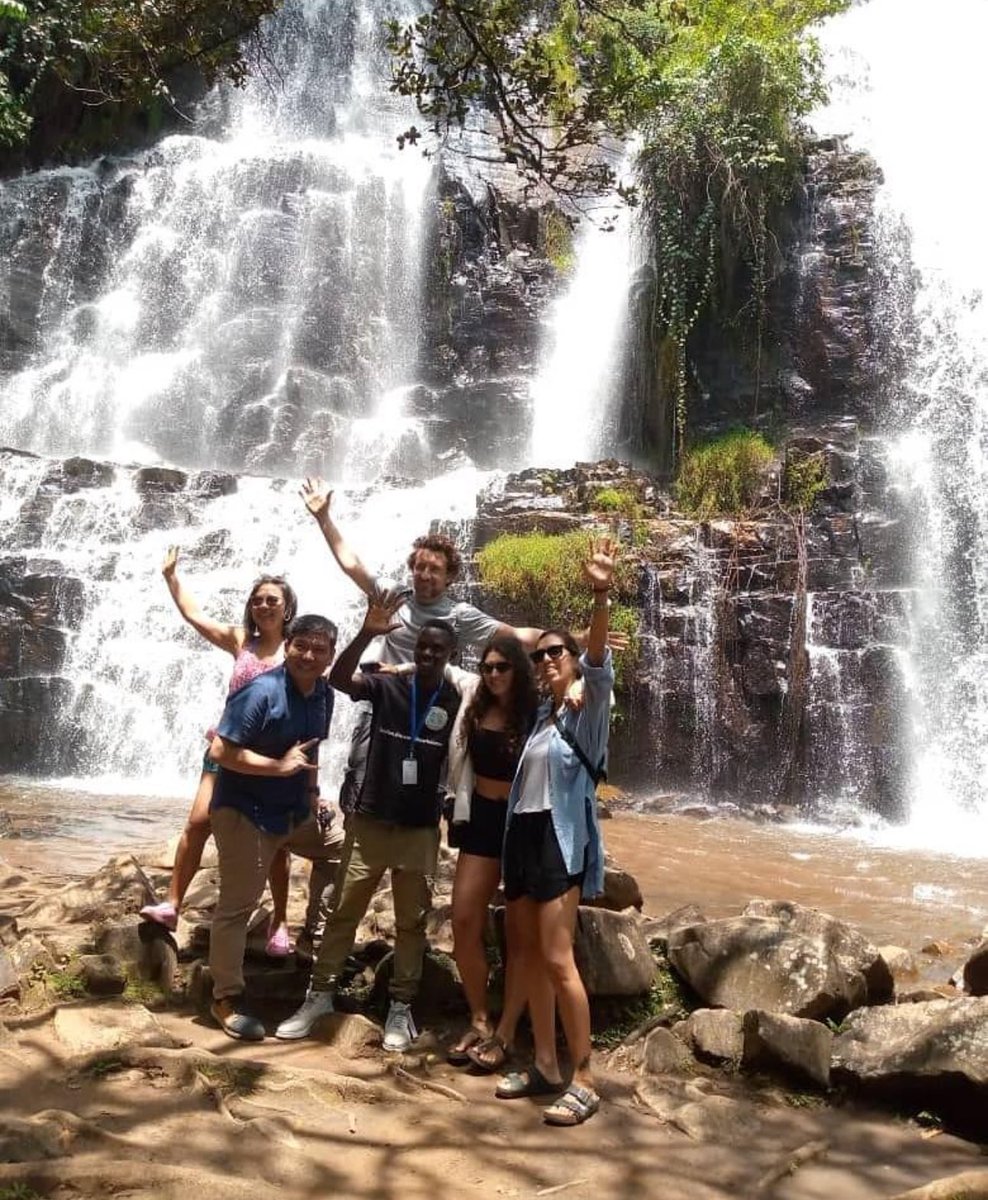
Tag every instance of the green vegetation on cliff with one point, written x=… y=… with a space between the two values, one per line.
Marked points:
x=723 y=476
x=539 y=578
x=79 y=69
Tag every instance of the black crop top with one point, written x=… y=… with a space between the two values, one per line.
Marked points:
x=491 y=754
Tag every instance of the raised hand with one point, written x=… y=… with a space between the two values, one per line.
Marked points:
x=317 y=496
x=618 y=641
x=295 y=760
x=599 y=566
x=381 y=608
x=170 y=563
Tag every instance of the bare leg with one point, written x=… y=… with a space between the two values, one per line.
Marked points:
x=537 y=986
x=493 y=1053
x=474 y=885
x=278 y=878
x=514 y=981
x=188 y=853
x=556 y=925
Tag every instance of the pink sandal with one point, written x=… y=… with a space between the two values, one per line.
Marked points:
x=161 y=914
x=278 y=944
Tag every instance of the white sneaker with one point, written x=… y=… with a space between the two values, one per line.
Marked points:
x=299 y=1024
x=399 y=1028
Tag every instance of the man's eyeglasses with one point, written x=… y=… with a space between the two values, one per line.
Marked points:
x=266 y=601
x=552 y=652
x=494 y=668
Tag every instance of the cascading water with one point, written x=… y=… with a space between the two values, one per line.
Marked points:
x=245 y=297
x=578 y=379
x=235 y=300
x=938 y=450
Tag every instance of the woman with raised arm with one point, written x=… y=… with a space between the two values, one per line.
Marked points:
x=553 y=851
x=499 y=706
x=256 y=645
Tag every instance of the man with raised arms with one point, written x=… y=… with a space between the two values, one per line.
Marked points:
x=434 y=563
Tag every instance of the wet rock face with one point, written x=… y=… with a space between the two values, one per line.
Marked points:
x=488 y=283
x=43 y=604
x=768 y=664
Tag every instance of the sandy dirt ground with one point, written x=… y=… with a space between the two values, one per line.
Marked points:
x=104 y=1098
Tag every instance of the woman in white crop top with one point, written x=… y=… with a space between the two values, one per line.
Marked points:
x=257 y=645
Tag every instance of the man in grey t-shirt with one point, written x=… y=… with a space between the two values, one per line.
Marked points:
x=434 y=564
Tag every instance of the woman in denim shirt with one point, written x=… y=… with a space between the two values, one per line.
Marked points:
x=553 y=852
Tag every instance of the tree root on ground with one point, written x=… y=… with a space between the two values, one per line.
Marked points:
x=790 y=1164
x=969 y=1185
x=428 y=1084
x=185 y=1067
x=139 y=1180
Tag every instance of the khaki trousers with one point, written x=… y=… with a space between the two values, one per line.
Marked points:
x=371 y=848
x=245 y=853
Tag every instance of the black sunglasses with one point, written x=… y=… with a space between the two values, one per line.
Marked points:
x=548 y=652
x=494 y=668
x=266 y=601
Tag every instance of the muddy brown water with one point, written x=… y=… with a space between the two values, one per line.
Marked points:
x=899 y=897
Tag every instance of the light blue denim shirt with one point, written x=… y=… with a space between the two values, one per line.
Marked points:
x=571 y=790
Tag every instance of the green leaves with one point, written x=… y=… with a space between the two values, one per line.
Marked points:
x=115 y=54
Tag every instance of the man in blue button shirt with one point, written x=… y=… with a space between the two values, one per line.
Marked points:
x=266 y=798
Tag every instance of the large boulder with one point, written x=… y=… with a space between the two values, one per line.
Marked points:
x=621 y=891
x=664 y=1054
x=780 y=957
x=714 y=1034
x=934 y=1053
x=611 y=953
x=658 y=929
x=975 y=971
x=798 y=1047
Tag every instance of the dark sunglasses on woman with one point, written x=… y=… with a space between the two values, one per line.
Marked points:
x=547 y=651
x=494 y=668
x=265 y=601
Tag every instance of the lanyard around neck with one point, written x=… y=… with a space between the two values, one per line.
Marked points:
x=415 y=723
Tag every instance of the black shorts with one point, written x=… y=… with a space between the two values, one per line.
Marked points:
x=483 y=834
x=533 y=862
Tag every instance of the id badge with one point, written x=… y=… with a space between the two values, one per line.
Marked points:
x=409 y=772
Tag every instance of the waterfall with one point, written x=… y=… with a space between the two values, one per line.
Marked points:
x=239 y=295
x=242 y=297
x=911 y=99
x=577 y=383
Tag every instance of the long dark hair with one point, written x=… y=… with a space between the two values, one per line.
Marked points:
x=522 y=699
x=288 y=595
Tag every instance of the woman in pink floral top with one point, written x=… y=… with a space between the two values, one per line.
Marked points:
x=256 y=645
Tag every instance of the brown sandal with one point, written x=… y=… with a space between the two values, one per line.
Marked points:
x=459 y=1054
x=490 y=1054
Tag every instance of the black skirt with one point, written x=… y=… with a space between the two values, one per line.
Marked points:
x=533 y=862
x=483 y=834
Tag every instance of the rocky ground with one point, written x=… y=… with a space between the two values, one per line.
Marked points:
x=752 y=1064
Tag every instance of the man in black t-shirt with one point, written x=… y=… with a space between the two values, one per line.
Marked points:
x=395 y=825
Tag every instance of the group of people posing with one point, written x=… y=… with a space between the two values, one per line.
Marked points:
x=513 y=753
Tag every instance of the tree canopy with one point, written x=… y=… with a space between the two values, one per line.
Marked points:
x=113 y=54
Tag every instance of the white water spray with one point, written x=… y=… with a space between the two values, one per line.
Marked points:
x=908 y=85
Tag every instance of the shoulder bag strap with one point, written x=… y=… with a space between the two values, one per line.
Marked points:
x=598 y=774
